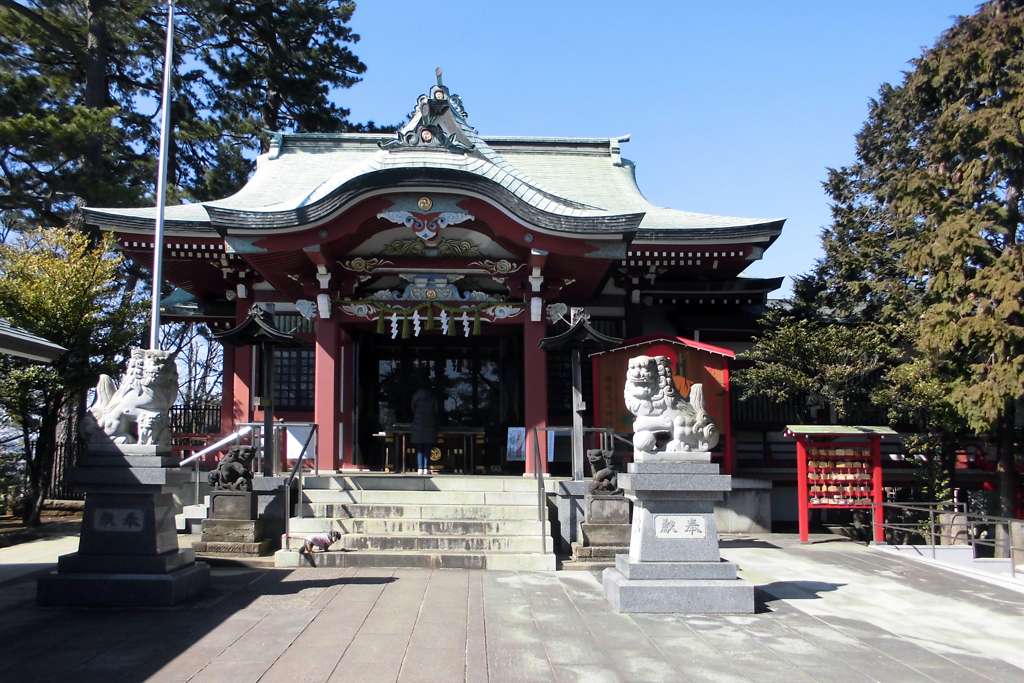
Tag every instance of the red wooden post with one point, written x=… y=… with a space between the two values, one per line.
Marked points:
x=730 y=445
x=242 y=381
x=876 y=488
x=535 y=369
x=801 y=484
x=346 y=380
x=325 y=412
x=227 y=384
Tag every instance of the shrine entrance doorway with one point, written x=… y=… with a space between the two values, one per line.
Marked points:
x=478 y=381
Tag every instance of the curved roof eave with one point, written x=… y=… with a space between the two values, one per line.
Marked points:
x=576 y=221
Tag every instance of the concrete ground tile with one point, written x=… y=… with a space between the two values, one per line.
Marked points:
x=683 y=644
x=231 y=672
x=304 y=665
x=476 y=658
x=267 y=640
x=184 y=666
x=711 y=671
x=640 y=668
x=392 y=622
x=326 y=597
x=327 y=633
x=413 y=574
x=667 y=624
x=231 y=629
x=995 y=670
x=953 y=673
x=573 y=650
x=523 y=662
x=433 y=665
x=364 y=664
x=796 y=651
x=829 y=639
x=764 y=667
x=584 y=673
x=431 y=637
x=906 y=652
x=855 y=627
x=359 y=592
x=114 y=663
x=441 y=617
x=884 y=668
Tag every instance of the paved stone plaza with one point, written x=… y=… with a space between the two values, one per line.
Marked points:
x=831 y=611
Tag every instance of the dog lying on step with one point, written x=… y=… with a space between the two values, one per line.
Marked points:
x=322 y=541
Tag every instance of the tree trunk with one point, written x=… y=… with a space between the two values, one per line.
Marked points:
x=1006 y=482
x=40 y=467
x=97 y=93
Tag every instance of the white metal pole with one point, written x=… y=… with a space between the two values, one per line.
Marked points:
x=161 y=184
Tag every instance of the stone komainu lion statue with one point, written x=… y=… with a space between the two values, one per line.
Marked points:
x=606 y=470
x=233 y=473
x=651 y=395
x=135 y=411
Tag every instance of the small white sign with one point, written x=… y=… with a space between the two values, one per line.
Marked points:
x=113 y=519
x=679 y=526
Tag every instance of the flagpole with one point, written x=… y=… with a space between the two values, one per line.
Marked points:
x=161 y=184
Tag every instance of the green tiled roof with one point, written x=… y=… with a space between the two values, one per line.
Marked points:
x=571 y=184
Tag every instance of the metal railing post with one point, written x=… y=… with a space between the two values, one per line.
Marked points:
x=540 y=492
x=931 y=521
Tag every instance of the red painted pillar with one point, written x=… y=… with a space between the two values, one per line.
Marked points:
x=243 y=387
x=346 y=381
x=876 y=489
x=227 y=390
x=801 y=486
x=326 y=390
x=730 y=444
x=535 y=370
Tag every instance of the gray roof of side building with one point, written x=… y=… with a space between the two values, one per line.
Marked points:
x=18 y=342
x=566 y=184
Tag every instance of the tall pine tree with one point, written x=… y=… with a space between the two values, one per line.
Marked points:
x=962 y=108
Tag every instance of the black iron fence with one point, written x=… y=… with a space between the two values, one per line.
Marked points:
x=201 y=419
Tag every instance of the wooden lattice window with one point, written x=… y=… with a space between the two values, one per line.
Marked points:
x=295 y=379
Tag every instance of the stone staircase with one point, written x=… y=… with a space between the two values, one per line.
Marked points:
x=438 y=521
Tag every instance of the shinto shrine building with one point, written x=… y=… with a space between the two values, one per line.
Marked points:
x=441 y=256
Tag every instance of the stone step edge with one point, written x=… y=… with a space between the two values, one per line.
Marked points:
x=423 y=519
x=420 y=552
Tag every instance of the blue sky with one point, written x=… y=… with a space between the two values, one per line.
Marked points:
x=735 y=108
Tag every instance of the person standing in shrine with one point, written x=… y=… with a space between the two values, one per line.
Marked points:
x=425 y=409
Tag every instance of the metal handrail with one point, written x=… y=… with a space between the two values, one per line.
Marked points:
x=296 y=469
x=257 y=429
x=971 y=520
x=541 y=498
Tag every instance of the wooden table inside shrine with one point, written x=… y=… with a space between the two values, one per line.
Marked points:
x=396 y=444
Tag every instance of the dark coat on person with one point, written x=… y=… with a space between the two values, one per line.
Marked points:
x=425 y=409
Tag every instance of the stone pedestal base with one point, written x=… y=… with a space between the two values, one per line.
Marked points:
x=233 y=505
x=694 y=596
x=123 y=590
x=128 y=552
x=230 y=531
x=673 y=563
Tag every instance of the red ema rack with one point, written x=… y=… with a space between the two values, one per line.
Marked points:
x=838 y=474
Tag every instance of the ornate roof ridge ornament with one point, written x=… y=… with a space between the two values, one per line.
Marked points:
x=436 y=122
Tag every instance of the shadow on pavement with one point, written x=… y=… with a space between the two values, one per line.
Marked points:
x=131 y=646
x=798 y=590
